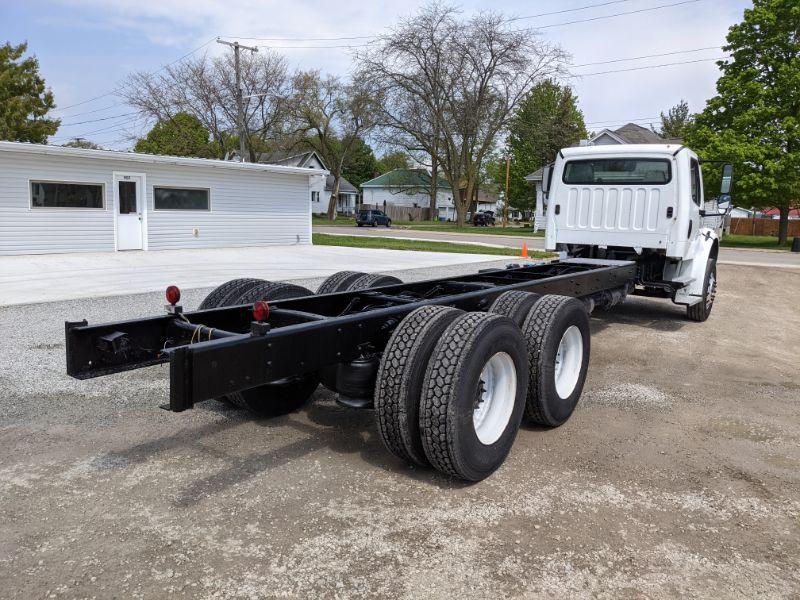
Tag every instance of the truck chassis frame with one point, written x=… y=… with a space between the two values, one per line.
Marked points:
x=217 y=352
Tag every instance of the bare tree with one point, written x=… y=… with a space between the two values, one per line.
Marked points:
x=205 y=87
x=451 y=85
x=330 y=116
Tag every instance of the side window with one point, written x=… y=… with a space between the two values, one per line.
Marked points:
x=696 y=184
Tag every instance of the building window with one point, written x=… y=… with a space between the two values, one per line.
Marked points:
x=167 y=198
x=315 y=196
x=56 y=194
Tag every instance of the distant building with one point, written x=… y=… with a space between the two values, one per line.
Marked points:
x=322 y=187
x=629 y=134
x=409 y=187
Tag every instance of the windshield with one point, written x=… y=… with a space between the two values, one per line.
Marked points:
x=610 y=171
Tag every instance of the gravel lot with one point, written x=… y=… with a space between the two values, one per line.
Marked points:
x=678 y=475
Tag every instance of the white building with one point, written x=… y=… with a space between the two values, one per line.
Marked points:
x=409 y=187
x=56 y=199
x=321 y=187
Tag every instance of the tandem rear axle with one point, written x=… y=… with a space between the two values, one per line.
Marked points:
x=449 y=365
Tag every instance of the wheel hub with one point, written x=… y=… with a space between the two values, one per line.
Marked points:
x=568 y=361
x=495 y=398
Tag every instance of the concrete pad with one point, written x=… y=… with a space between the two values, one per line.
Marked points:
x=50 y=277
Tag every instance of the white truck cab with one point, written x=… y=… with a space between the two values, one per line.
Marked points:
x=639 y=202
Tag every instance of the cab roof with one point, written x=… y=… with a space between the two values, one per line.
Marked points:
x=622 y=150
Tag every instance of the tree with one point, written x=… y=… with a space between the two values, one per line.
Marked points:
x=451 y=84
x=677 y=122
x=754 y=120
x=24 y=100
x=82 y=143
x=181 y=135
x=547 y=120
x=392 y=161
x=359 y=164
x=332 y=116
x=205 y=88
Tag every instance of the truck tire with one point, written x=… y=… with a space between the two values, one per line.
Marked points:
x=338 y=282
x=276 y=397
x=371 y=280
x=699 y=312
x=515 y=305
x=557 y=333
x=400 y=378
x=218 y=294
x=473 y=395
x=268 y=290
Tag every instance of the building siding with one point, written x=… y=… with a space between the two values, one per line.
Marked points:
x=248 y=208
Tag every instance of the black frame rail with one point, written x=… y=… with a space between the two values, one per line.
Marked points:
x=220 y=351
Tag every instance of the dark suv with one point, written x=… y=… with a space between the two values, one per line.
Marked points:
x=483 y=219
x=373 y=218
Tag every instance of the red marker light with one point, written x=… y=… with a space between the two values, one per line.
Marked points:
x=260 y=311
x=173 y=294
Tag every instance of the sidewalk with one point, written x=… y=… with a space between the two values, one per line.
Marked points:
x=48 y=277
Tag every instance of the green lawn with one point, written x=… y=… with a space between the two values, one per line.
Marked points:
x=354 y=241
x=754 y=241
x=435 y=226
x=453 y=228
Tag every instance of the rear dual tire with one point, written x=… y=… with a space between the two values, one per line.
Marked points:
x=473 y=396
x=482 y=372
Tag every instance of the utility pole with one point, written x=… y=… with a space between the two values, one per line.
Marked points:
x=505 y=200
x=239 y=102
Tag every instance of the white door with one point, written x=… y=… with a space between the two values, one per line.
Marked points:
x=128 y=191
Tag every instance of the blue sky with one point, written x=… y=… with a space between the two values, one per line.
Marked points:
x=86 y=47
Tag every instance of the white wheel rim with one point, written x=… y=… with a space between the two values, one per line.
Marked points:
x=569 y=360
x=496 y=396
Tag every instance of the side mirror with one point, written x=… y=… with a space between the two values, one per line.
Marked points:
x=547 y=177
x=727 y=179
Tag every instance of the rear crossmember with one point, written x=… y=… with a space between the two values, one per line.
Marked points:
x=213 y=353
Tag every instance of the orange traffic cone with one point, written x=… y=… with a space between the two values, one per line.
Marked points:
x=524 y=253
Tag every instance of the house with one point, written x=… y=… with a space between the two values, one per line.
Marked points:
x=321 y=188
x=486 y=201
x=630 y=133
x=57 y=199
x=774 y=213
x=409 y=187
x=347 y=201
x=540 y=212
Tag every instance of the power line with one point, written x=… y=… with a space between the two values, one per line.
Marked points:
x=622 y=14
x=115 y=90
x=685 y=62
x=88 y=112
x=616 y=60
x=98 y=120
x=568 y=10
x=588 y=6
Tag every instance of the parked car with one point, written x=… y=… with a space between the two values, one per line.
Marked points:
x=373 y=218
x=483 y=218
